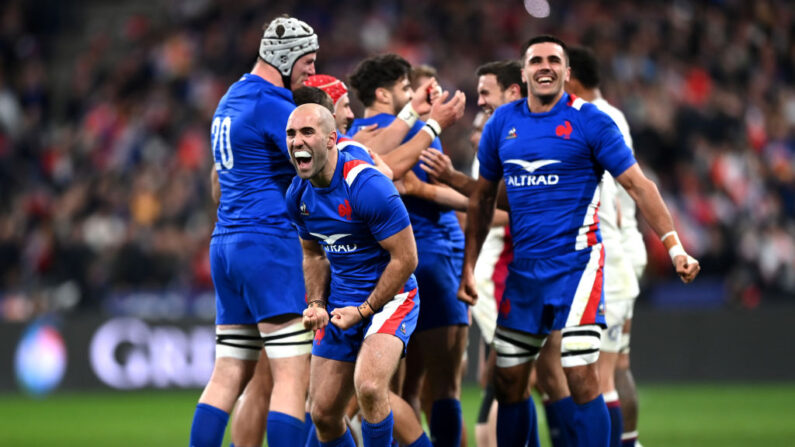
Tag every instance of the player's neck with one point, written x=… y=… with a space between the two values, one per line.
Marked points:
x=324 y=177
x=377 y=109
x=539 y=105
x=268 y=72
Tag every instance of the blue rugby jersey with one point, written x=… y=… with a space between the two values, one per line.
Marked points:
x=250 y=152
x=435 y=228
x=552 y=164
x=359 y=208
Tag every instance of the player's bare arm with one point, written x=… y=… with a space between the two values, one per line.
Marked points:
x=215 y=186
x=403 y=260
x=443 y=115
x=316 y=277
x=479 y=216
x=389 y=138
x=645 y=193
x=440 y=167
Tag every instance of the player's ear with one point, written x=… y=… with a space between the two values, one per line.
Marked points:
x=567 y=74
x=383 y=95
x=332 y=138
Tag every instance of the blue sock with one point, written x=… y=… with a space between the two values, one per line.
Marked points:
x=592 y=423
x=445 y=423
x=517 y=424
x=560 y=415
x=307 y=428
x=560 y=418
x=346 y=440
x=422 y=441
x=378 y=434
x=284 y=430
x=209 y=425
x=616 y=418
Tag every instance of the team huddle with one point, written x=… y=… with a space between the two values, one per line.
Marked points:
x=345 y=284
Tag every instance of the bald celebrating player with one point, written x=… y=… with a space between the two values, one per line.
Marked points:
x=552 y=150
x=359 y=255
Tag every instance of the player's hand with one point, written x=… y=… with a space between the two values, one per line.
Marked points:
x=368 y=134
x=437 y=165
x=467 y=291
x=447 y=113
x=423 y=97
x=345 y=317
x=315 y=318
x=687 y=268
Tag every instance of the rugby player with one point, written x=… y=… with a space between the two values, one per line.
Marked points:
x=436 y=351
x=551 y=150
x=359 y=254
x=255 y=255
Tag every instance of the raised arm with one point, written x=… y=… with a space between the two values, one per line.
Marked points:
x=479 y=217
x=644 y=192
x=317 y=274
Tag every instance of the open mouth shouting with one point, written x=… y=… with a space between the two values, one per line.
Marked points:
x=303 y=160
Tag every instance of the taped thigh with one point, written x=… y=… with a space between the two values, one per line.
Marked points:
x=239 y=343
x=579 y=345
x=515 y=348
x=290 y=341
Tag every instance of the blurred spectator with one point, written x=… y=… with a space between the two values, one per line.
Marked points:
x=104 y=158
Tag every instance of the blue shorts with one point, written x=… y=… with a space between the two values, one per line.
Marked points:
x=256 y=276
x=398 y=317
x=543 y=295
x=438 y=276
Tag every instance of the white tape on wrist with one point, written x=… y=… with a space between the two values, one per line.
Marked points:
x=675 y=251
x=408 y=115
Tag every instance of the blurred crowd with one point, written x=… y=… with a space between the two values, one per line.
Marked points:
x=104 y=124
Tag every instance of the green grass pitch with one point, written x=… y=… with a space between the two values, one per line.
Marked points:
x=719 y=415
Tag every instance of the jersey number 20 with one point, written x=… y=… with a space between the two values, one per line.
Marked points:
x=222 y=148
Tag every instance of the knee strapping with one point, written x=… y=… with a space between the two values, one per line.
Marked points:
x=239 y=343
x=290 y=341
x=515 y=348
x=580 y=345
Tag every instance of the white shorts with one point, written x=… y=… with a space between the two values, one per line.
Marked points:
x=490 y=273
x=616 y=314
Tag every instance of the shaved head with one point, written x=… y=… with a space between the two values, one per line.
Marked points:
x=322 y=117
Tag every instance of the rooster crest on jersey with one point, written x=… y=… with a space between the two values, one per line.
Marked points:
x=285 y=40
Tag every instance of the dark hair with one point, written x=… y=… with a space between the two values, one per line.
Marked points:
x=584 y=66
x=376 y=72
x=312 y=95
x=541 y=39
x=420 y=71
x=507 y=73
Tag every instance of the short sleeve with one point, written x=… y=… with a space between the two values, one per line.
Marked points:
x=378 y=203
x=356 y=150
x=607 y=142
x=294 y=204
x=488 y=151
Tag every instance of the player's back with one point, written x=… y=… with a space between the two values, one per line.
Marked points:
x=249 y=148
